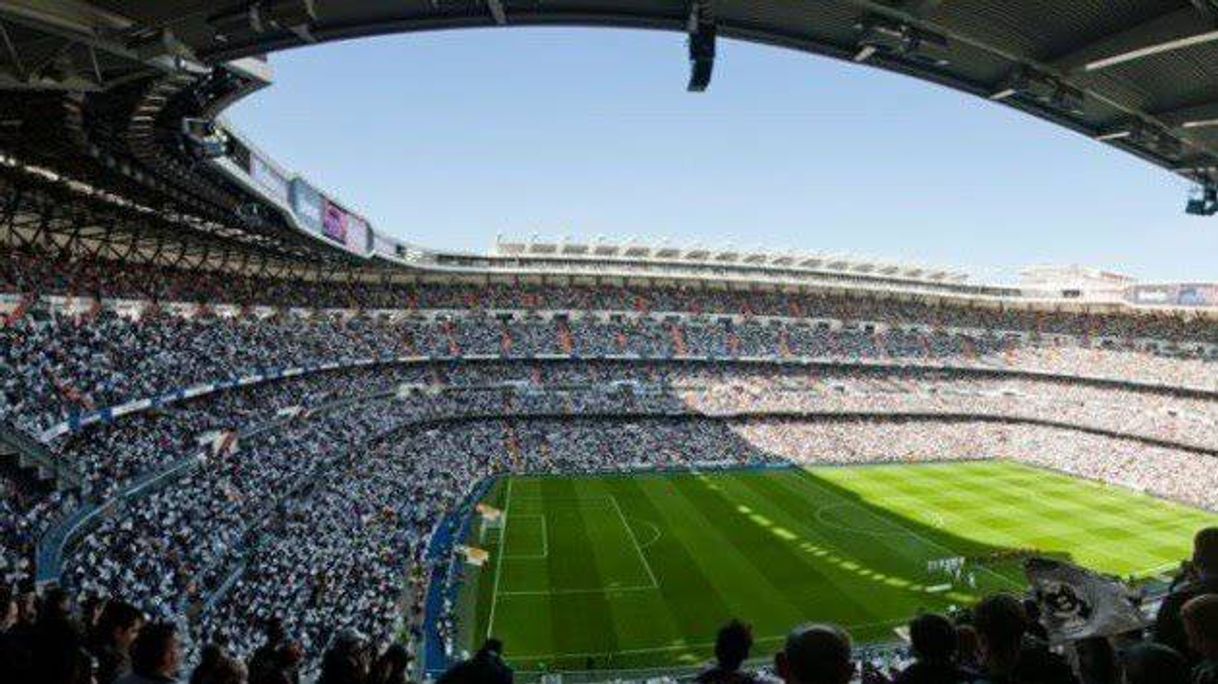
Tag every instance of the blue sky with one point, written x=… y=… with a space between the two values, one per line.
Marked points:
x=446 y=139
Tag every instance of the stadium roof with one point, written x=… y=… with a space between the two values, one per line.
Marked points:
x=725 y=256
x=1141 y=75
x=112 y=143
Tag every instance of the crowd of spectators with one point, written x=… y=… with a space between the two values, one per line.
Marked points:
x=57 y=365
x=49 y=639
x=306 y=503
x=200 y=544
x=27 y=272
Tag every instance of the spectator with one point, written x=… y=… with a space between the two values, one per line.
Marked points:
x=732 y=646
x=265 y=658
x=348 y=661
x=391 y=666
x=117 y=629
x=1152 y=663
x=1006 y=655
x=1097 y=661
x=1200 y=618
x=815 y=654
x=968 y=654
x=1001 y=623
x=1199 y=576
x=934 y=642
x=216 y=667
x=156 y=655
x=485 y=667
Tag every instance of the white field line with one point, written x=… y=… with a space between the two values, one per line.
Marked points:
x=634 y=540
x=501 y=552
x=545 y=538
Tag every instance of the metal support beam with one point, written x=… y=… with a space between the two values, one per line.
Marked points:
x=702 y=31
x=14 y=56
x=1204 y=115
x=497 y=11
x=1176 y=30
x=1206 y=7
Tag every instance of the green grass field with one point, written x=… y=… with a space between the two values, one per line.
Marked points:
x=639 y=571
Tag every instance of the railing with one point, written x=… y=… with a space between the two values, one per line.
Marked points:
x=31 y=452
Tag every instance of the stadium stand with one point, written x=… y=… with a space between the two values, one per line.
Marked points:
x=242 y=429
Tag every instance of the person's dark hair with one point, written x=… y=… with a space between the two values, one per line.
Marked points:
x=816 y=654
x=1205 y=549
x=1151 y=663
x=117 y=615
x=56 y=605
x=7 y=602
x=72 y=666
x=1041 y=666
x=733 y=643
x=274 y=631
x=966 y=645
x=492 y=645
x=209 y=657
x=223 y=670
x=344 y=662
x=933 y=638
x=391 y=666
x=150 y=648
x=1000 y=621
x=1031 y=608
x=1200 y=616
x=1097 y=661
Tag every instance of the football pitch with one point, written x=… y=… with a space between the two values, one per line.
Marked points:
x=639 y=571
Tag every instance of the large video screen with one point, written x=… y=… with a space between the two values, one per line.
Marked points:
x=307 y=204
x=334 y=223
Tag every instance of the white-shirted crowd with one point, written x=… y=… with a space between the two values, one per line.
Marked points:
x=308 y=502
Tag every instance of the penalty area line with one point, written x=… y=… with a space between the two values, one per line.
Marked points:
x=655 y=584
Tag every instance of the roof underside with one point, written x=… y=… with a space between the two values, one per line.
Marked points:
x=1147 y=70
x=97 y=89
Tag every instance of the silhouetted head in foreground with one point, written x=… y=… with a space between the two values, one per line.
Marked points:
x=815 y=654
x=1151 y=663
x=1205 y=550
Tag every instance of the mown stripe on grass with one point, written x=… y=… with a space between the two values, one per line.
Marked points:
x=691 y=602
x=578 y=622
x=798 y=586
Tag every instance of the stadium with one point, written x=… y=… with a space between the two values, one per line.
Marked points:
x=247 y=433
